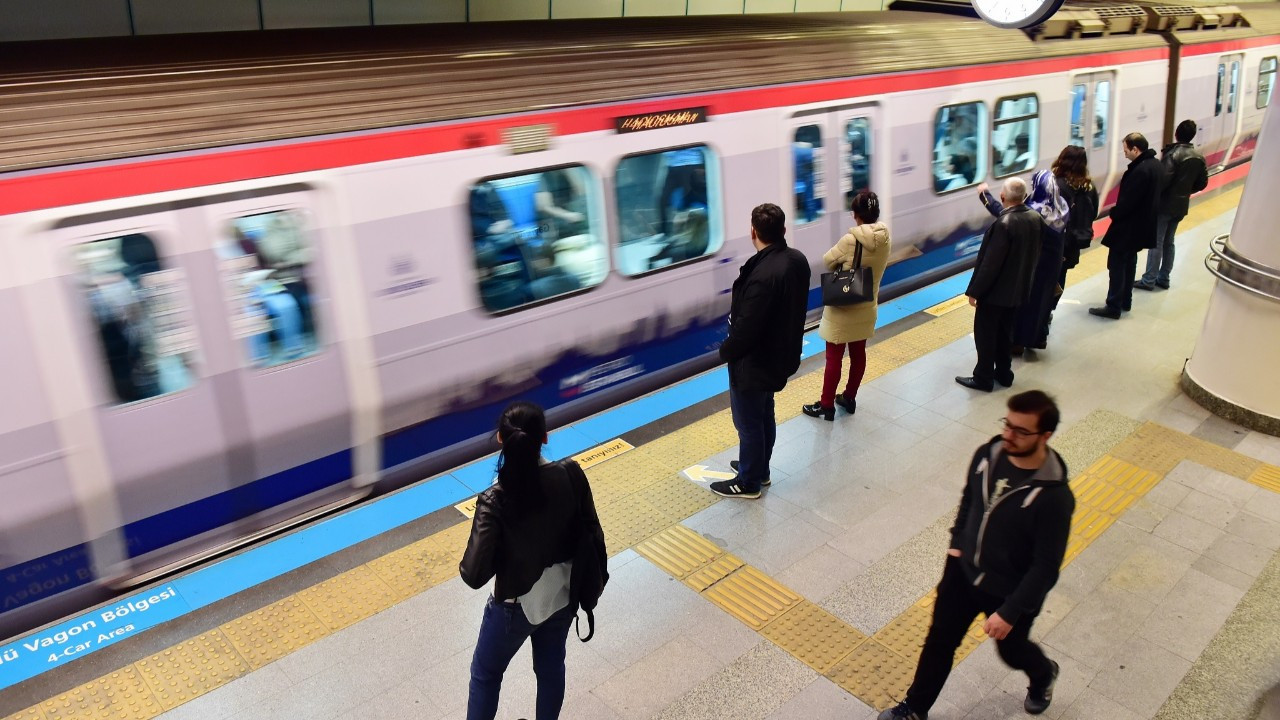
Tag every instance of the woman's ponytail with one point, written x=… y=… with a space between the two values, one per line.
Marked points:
x=521 y=428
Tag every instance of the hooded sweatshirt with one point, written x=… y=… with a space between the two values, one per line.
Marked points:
x=852 y=323
x=1012 y=542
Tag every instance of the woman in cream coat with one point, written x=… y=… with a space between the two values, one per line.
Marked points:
x=851 y=325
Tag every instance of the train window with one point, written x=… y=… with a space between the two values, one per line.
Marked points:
x=1222 y=83
x=1101 y=111
x=1235 y=84
x=668 y=209
x=146 y=336
x=264 y=260
x=806 y=149
x=1266 y=81
x=857 y=135
x=534 y=236
x=1078 y=95
x=958 y=131
x=1015 y=135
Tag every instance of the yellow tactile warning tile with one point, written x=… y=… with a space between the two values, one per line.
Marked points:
x=715 y=571
x=191 y=669
x=31 y=713
x=679 y=551
x=751 y=596
x=348 y=597
x=814 y=636
x=677 y=497
x=874 y=674
x=632 y=519
x=1267 y=477
x=415 y=567
x=121 y=695
x=269 y=633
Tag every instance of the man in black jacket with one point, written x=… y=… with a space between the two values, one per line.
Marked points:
x=1001 y=282
x=1185 y=174
x=1006 y=548
x=766 y=330
x=1133 y=224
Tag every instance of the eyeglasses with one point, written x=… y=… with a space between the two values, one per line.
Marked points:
x=1020 y=432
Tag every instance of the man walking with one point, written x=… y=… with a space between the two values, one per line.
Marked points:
x=1185 y=174
x=766 y=330
x=1001 y=282
x=1133 y=224
x=1006 y=548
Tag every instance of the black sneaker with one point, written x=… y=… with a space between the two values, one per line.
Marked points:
x=1144 y=285
x=1038 y=700
x=733 y=489
x=734 y=465
x=902 y=711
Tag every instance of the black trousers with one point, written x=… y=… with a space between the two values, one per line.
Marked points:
x=992 y=335
x=959 y=602
x=1121 y=269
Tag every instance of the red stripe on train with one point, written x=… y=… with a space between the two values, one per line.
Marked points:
x=129 y=178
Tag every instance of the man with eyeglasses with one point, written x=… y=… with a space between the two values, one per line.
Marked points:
x=1006 y=548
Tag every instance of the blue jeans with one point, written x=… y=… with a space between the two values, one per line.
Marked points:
x=1160 y=257
x=502 y=631
x=753 y=418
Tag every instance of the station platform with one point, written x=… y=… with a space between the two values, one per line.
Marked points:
x=812 y=601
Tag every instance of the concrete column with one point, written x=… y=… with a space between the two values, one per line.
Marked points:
x=1235 y=368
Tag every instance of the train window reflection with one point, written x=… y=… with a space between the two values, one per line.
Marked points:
x=668 y=209
x=1078 y=94
x=1235 y=83
x=1101 y=109
x=1266 y=81
x=534 y=237
x=1015 y=134
x=142 y=326
x=806 y=150
x=958 y=134
x=857 y=138
x=264 y=262
x=1222 y=83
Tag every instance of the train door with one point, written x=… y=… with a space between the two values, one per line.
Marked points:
x=1092 y=114
x=832 y=152
x=126 y=285
x=286 y=390
x=1226 y=110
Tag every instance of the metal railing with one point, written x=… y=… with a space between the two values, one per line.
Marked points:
x=1220 y=253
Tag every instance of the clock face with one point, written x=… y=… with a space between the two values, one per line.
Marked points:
x=1016 y=13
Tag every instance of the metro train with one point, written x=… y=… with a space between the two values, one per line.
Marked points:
x=238 y=294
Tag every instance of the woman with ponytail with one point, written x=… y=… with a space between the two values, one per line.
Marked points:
x=851 y=325
x=525 y=533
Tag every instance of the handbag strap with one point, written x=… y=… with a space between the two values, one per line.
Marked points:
x=857 y=255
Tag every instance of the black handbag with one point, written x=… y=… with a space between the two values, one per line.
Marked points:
x=849 y=287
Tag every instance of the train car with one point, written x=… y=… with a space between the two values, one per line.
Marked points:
x=241 y=290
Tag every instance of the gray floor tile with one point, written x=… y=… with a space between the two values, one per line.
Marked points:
x=1222 y=573
x=1255 y=530
x=1239 y=554
x=641 y=610
x=402 y=702
x=1207 y=508
x=777 y=548
x=720 y=634
x=1145 y=515
x=1184 y=530
x=587 y=707
x=1261 y=446
x=1212 y=482
x=1266 y=505
x=1220 y=432
x=973 y=679
x=1093 y=705
x=923 y=421
x=731 y=525
x=657 y=679
x=1152 y=569
x=879 y=402
x=236 y=697
x=737 y=690
x=1100 y=625
x=820 y=573
x=894 y=438
x=1167 y=493
x=888 y=528
x=1191 y=615
x=823 y=699
x=445 y=681
x=1141 y=676
x=964 y=438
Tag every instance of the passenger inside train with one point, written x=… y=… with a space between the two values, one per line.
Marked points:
x=663 y=203
x=956 y=160
x=807 y=152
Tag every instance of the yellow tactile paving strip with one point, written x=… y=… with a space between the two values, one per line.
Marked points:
x=642 y=499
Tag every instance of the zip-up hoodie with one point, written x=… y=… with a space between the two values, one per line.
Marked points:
x=1012 y=546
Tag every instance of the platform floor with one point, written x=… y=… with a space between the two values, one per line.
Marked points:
x=812 y=601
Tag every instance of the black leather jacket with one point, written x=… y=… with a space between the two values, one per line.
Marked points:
x=517 y=542
x=1133 y=217
x=766 y=322
x=1007 y=258
x=1185 y=174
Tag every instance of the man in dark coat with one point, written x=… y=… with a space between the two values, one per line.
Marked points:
x=1006 y=549
x=766 y=330
x=1185 y=173
x=1001 y=282
x=1133 y=224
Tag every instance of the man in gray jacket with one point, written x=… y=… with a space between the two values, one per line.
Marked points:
x=1001 y=282
x=1185 y=174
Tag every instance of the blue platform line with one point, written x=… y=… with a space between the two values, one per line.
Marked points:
x=235 y=574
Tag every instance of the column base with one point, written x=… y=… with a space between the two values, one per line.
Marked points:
x=1228 y=410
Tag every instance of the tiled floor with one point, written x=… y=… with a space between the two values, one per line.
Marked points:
x=856 y=522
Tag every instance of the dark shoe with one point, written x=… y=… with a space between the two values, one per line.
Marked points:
x=1143 y=285
x=734 y=465
x=733 y=489
x=1038 y=700
x=816 y=410
x=974 y=384
x=1005 y=380
x=1016 y=350
x=1162 y=286
x=902 y=711
x=849 y=404
x=1106 y=312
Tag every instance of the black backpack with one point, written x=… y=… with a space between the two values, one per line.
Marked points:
x=590 y=560
x=1080 y=222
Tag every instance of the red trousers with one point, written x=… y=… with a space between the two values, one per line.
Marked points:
x=857 y=368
